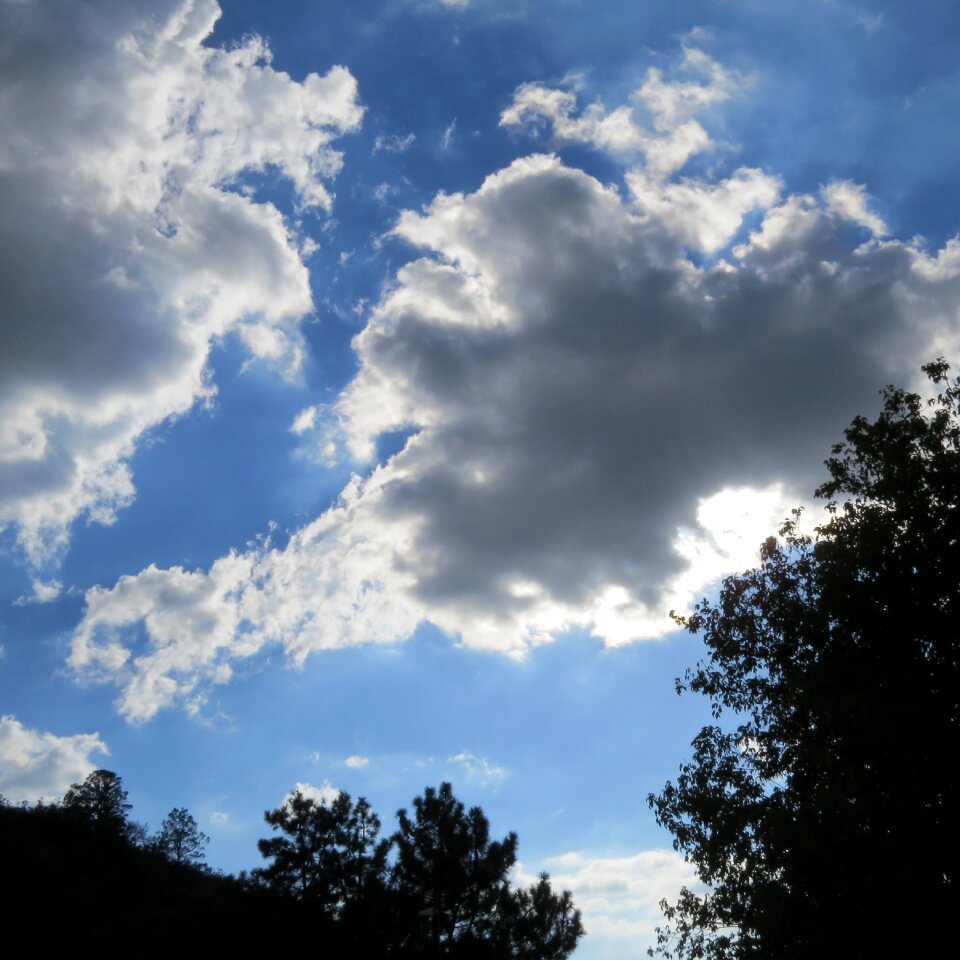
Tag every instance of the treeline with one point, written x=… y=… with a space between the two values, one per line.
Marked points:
x=437 y=887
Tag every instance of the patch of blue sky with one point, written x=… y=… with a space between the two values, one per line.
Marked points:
x=409 y=709
x=244 y=474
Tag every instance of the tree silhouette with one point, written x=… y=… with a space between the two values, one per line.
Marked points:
x=179 y=838
x=538 y=924
x=824 y=823
x=453 y=882
x=328 y=854
x=101 y=801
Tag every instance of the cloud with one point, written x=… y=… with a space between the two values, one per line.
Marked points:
x=849 y=200
x=606 y=412
x=702 y=214
x=356 y=762
x=304 y=420
x=446 y=138
x=479 y=769
x=130 y=239
x=44 y=591
x=394 y=143
x=35 y=764
x=219 y=818
x=325 y=794
x=871 y=22
x=619 y=897
x=673 y=135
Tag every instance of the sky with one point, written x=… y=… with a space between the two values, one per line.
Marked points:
x=376 y=377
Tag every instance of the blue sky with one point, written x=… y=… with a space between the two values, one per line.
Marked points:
x=377 y=376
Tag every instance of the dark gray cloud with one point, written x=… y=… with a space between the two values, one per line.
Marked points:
x=567 y=444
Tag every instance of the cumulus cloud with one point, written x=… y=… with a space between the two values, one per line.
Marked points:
x=356 y=762
x=618 y=896
x=670 y=138
x=34 y=764
x=602 y=420
x=127 y=244
x=479 y=769
x=325 y=794
x=702 y=214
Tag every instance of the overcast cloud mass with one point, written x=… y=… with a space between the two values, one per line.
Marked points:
x=435 y=350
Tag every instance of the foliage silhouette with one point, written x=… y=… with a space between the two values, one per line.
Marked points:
x=452 y=884
x=538 y=924
x=179 y=838
x=329 y=882
x=327 y=855
x=824 y=823
x=101 y=801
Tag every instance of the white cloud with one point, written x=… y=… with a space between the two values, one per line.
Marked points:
x=704 y=215
x=219 y=818
x=35 y=764
x=600 y=427
x=849 y=201
x=356 y=762
x=394 y=143
x=325 y=794
x=619 y=897
x=447 y=136
x=44 y=591
x=671 y=104
x=479 y=769
x=126 y=243
x=304 y=420
x=382 y=192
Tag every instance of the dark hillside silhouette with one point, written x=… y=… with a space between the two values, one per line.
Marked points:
x=330 y=887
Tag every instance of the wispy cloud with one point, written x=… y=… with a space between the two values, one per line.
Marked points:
x=479 y=769
x=394 y=143
x=447 y=136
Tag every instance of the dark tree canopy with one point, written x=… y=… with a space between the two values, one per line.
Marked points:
x=824 y=822
x=448 y=868
x=327 y=854
x=446 y=891
x=452 y=877
x=180 y=839
x=101 y=801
